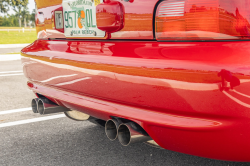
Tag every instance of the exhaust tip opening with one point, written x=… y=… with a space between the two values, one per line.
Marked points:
x=34 y=105
x=40 y=107
x=111 y=130
x=124 y=135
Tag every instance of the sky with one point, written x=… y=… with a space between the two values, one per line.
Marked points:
x=31 y=6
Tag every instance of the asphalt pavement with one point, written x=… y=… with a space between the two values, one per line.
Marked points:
x=26 y=139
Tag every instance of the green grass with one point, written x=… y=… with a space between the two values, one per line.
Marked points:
x=16 y=37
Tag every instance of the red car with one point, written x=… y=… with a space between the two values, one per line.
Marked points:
x=172 y=73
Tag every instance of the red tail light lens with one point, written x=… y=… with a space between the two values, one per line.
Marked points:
x=203 y=20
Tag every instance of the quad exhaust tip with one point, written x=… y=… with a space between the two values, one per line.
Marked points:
x=34 y=103
x=111 y=129
x=45 y=106
x=128 y=134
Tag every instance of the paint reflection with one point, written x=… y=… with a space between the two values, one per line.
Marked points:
x=226 y=76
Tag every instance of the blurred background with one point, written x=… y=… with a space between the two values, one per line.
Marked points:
x=17 y=21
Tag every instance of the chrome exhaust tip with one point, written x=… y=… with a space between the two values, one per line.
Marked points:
x=40 y=106
x=111 y=129
x=34 y=103
x=45 y=106
x=128 y=134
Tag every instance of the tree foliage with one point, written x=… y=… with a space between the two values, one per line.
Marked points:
x=1 y=20
x=4 y=6
x=21 y=16
x=9 y=21
x=13 y=21
x=18 y=6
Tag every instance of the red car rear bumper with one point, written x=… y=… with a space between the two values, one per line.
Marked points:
x=176 y=91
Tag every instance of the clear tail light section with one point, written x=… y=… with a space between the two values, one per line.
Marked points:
x=203 y=20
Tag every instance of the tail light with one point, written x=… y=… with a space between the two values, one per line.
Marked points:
x=203 y=20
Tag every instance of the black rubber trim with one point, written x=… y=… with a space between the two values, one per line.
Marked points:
x=203 y=40
x=99 y=40
x=154 y=14
x=138 y=40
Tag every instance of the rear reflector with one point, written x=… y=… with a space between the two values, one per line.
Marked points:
x=203 y=20
x=57 y=19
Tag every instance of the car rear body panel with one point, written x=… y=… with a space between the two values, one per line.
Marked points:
x=174 y=90
x=138 y=18
x=189 y=96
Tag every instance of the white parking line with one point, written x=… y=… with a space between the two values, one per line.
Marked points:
x=237 y=100
x=13 y=45
x=10 y=57
x=6 y=72
x=4 y=75
x=15 y=110
x=241 y=94
x=31 y=120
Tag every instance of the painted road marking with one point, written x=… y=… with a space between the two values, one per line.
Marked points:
x=13 y=45
x=4 y=75
x=237 y=100
x=10 y=57
x=31 y=120
x=241 y=94
x=6 y=72
x=15 y=110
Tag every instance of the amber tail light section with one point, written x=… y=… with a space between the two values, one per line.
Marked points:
x=110 y=16
x=203 y=20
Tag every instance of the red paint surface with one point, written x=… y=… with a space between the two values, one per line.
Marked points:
x=202 y=19
x=110 y=16
x=137 y=24
x=172 y=89
x=45 y=27
x=138 y=18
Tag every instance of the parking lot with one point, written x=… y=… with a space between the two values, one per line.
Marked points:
x=31 y=139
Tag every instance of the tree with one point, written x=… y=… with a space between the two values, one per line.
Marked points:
x=25 y=15
x=10 y=21
x=4 y=6
x=31 y=18
x=18 y=6
x=1 y=20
